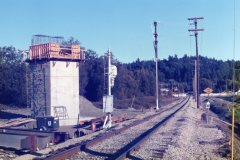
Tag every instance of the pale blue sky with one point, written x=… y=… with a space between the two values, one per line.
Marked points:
x=124 y=25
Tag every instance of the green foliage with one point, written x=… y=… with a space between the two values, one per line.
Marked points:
x=237 y=115
x=12 y=77
x=237 y=111
x=91 y=76
x=237 y=99
x=237 y=74
x=138 y=78
x=3 y=107
x=71 y=41
x=133 y=79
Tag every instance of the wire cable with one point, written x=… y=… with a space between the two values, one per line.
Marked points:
x=234 y=46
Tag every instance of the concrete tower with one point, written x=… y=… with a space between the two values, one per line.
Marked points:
x=53 y=78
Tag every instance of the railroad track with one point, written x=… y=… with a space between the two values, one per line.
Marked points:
x=117 y=144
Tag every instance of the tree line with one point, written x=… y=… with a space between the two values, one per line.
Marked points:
x=134 y=79
x=138 y=78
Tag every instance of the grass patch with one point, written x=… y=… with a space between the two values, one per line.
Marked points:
x=3 y=107
x=237 y=109
x=237 y=99
x=139 y=102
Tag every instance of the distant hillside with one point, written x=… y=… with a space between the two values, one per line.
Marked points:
x=138 y=78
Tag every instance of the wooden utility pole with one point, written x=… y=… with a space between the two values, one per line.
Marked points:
x=156 y=60
x=196 y=30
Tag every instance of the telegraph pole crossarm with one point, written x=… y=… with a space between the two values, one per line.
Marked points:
x=195 y=18
x=195 y=30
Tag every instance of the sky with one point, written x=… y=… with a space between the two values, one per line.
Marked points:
x=125 y=26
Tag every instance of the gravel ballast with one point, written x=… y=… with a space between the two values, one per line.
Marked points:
x=109 y=146
x=184 y=137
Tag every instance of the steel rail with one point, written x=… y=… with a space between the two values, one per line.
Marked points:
x=68 y=152
x=125 y=151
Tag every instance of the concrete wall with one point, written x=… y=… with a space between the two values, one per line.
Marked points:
x=60 y=80
x=64 y=80
x=39 y=88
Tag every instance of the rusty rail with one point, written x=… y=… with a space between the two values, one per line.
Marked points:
x=125 y=151
x=68 y=152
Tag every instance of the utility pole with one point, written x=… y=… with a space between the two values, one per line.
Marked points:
x=195 y=80
x=196 y=30
x=156 y=60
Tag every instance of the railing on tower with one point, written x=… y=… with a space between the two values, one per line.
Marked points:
x=47 y=47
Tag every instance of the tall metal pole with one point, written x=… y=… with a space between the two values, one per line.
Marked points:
x=108 y=119
x=197 y=56
x=109 y=72
x=156 y=60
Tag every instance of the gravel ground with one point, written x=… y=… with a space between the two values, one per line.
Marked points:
x=7 y=155
x=184 y=137
x=111 y=145
x=44 y=152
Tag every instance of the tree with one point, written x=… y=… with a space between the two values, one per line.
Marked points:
x=12 y=81
x=91 y=76
x=71 y=41
x=133 y=79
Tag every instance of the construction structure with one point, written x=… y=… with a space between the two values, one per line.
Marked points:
x=53 y=78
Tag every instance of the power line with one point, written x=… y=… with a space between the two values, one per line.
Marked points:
x=190 y=42
x=234 y=44
x=233 y=77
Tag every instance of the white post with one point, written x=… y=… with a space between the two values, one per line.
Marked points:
x=156 y=59
x=108 y=119
x=105 y=122
x=109 y=72
x=157 y=108
x=207 y=107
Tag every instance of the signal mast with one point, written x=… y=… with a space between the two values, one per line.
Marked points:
x=110 y=74
x=156 y=60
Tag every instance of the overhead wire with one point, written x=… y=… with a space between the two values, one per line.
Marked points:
x=190 y=41
x=234 y=44
x=202 y=40
x=233 y=79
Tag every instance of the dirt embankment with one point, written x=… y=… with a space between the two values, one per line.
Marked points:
x=222 y=107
